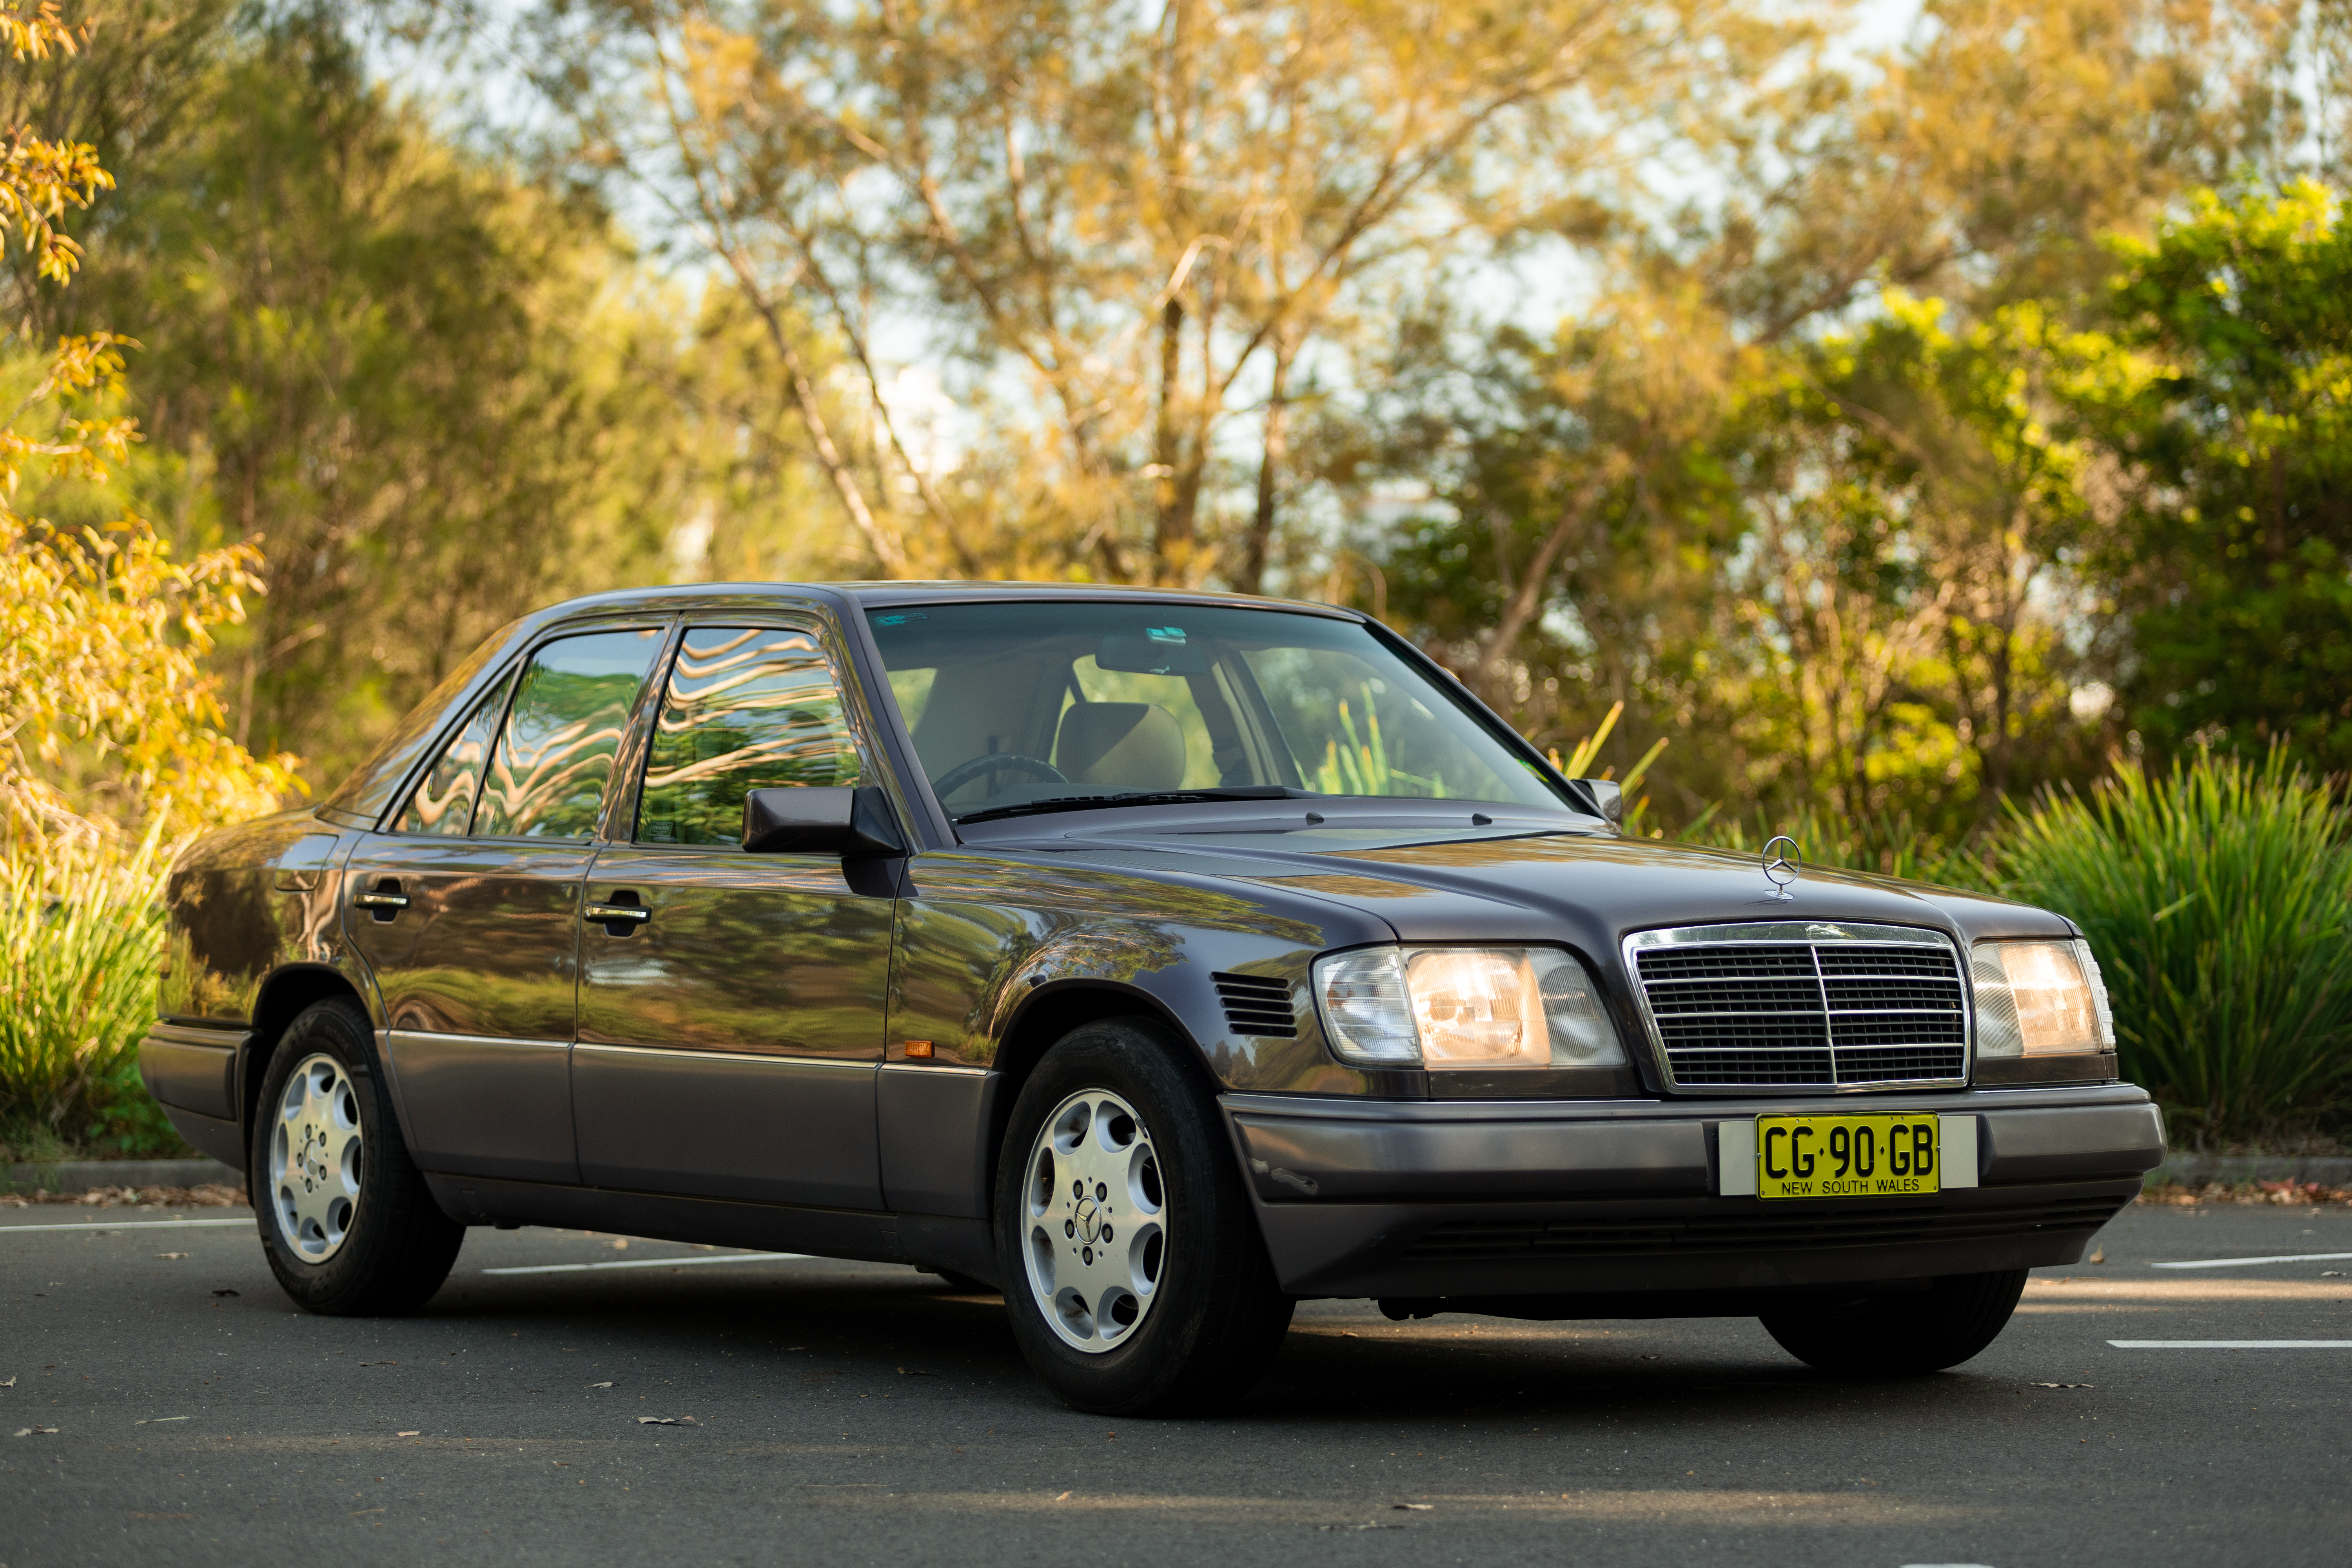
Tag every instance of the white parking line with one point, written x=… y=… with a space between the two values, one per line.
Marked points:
x=2246 y=1262
x=2231 y=1344
x=647 y=1263
x=129 y=1225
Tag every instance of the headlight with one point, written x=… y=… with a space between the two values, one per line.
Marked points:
x=1463 y=1007
x=2040 y=999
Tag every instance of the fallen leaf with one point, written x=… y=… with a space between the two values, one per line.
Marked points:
x=357 y=1511
x=404 y=1434
x=2324 y=1274
x=600 y=1385
x=171 y=1254
x=1414 y=1507
x=159 y=1420
x=667 y=1421
x=10 y=1384
x=28 y=1431
x=1064 y=1497
x=2062 y=1385
x=1359 y=1527
x=2098 y=1257
x=223 y=1293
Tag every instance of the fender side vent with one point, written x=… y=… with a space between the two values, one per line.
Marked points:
x=1257 y=1004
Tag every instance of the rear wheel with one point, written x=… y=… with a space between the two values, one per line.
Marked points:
x=1910 y=1331
x=1135 y=1276
x=346 y=1222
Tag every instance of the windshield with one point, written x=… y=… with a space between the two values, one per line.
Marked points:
x=1019 y=703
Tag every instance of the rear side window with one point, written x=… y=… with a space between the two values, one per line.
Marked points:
x=368 y=790
x=748 y=708
x=554 y=759
x=444 y=801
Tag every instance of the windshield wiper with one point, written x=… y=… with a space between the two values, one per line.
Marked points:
x=1138 y=797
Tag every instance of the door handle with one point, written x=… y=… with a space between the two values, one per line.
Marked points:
x=385 y=900
x=637 y=913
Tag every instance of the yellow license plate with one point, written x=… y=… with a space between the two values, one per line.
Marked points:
x=1847 y=1157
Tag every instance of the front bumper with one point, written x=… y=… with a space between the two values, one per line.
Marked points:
x=1626 y=1200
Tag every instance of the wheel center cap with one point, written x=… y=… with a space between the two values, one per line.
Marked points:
x=1089 y=1220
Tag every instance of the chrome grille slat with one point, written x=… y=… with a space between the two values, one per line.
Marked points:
x=1782 y=1007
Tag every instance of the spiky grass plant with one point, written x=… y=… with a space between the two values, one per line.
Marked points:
x=81 y=934
x=2218 y=897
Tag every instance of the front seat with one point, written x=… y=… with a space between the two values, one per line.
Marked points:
x=1127 y=745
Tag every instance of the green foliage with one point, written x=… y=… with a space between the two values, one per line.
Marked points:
x=2236 y=558
x=79 y=944
x=2218 y=896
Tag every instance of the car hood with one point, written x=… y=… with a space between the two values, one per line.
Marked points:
x=1451 y=886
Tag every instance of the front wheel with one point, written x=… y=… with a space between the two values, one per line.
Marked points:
x=346 y=1221
x=1135 y=1276
x=1905 y=1333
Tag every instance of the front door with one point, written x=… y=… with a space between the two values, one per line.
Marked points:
x=730 y=1035
x=468 y=911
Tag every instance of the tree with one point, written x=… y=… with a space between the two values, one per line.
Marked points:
x=2231 y=561
x=1157 y=220
x=433 y=393
x=111 y=717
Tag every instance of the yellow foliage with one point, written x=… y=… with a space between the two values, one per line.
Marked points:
x=108 y=717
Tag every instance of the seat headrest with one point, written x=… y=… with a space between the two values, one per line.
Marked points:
x=1128 y=745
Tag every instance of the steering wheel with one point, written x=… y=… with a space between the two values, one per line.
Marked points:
x=962 y=773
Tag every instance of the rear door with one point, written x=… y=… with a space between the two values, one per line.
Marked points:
x=729 y=1035
x=468 y=910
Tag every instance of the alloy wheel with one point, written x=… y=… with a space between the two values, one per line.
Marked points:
x=316 y=1159
x=1097 y=1219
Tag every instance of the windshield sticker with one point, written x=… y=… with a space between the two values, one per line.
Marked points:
x=1164 y=633
x=901 y=620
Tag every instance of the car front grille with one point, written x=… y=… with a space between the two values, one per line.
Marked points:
x=1257 y=1004
x=1804 y=1008
x=1750 y=1231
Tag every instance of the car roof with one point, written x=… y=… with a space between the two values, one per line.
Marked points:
x=861 y=595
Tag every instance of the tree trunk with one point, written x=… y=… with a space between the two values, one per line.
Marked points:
x=1172 y=536
x=1528 y=599
x=1249 y=576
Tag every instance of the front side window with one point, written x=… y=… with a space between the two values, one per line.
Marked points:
x=444 y=801
x=747 y=707
x=554 y=759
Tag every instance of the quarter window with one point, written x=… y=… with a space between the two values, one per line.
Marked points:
x=444 y=801
x=554 y=759
x=748 y=708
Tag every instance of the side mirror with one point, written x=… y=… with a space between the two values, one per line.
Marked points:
x=1604 y=797
x=836 y=819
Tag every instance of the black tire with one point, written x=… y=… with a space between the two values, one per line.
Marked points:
x=1217 y=1316
x=1903 y=1332
x=394 y=1245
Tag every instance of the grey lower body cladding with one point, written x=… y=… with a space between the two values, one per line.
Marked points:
x=1608 y=1202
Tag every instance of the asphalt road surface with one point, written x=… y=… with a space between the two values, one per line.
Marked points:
x=179 y=1410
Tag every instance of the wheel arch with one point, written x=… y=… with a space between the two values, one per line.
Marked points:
x=1044 y=1018
x=284 y=996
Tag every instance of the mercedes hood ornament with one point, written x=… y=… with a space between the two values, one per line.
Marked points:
x=1782 y=865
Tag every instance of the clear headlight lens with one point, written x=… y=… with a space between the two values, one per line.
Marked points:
x=2040 y=999
x=1485 y=1008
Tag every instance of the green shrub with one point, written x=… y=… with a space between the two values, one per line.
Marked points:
x=2219 y=899
x=80 y=935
